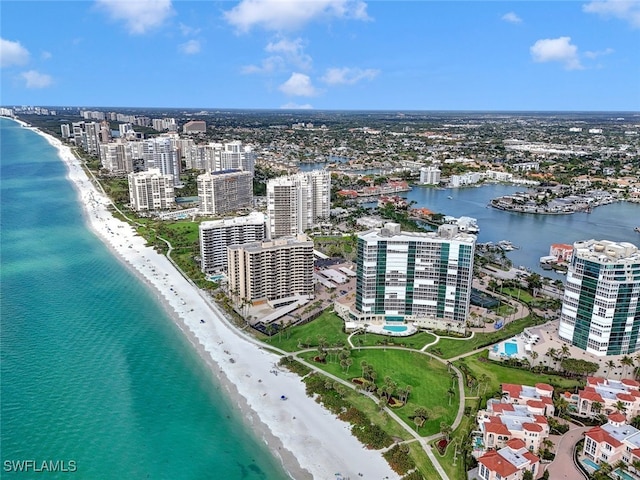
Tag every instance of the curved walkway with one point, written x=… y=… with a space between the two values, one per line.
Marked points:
x=563 y=465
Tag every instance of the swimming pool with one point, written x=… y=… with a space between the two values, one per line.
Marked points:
x=510 y=348
x=619 y=473
x=591 y=464
x=395 y=328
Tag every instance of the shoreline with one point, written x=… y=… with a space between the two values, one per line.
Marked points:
x=307 y=439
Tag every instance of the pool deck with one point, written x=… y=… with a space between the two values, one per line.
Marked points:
x=380 y=330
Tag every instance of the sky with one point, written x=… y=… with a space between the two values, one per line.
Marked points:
x=322 y=54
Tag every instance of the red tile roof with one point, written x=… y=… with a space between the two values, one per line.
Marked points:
x=532 y=427
x=502 y=407
x=535 y=404
x=625 y=397
x=592 y=396
x=617 y=417
x=496 y=428
x=531 y=457
x=599 y=435
x=516 y=444
x=496 y=463
x=540 y=419
x=630 y=382
x=544 y=386
x=512 y=389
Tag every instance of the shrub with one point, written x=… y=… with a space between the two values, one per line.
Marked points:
x=399 y=459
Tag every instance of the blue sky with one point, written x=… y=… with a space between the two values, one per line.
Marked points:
x=322 y=54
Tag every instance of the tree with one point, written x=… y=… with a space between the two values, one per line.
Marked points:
x=534 y=282
x=610 y=365
x=534 y=357
x=451 y=392
x=420 y=416
x=596 y=407
x=620 y=406
x=445 y=429
x=625 y=362
x=561 y=405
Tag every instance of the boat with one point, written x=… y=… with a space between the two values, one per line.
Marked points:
x=507 y=245
x=637 y=229
x=450 y=197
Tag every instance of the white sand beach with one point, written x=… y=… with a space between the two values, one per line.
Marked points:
x=311 y=442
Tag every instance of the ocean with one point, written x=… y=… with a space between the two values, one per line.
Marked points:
x=97 y=382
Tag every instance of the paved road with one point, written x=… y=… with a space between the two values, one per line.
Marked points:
x=562 y=466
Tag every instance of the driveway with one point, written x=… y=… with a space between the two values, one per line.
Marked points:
x=563 y=466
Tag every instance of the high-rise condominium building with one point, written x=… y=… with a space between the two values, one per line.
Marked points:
x=430 y=175
x=160 y=153
x=151 y=190
x=298 y=202
x=214 y=157
x=225 y=191
x=416 y=275
x=217 y=235
x=601 y=304
x=271 y=270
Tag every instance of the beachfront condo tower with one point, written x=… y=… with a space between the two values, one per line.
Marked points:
x=416 y=276
x=225 y=191
x=151 y=191
x=298 y=202
x=601 y=303
x=217 y=235
x=274 y=270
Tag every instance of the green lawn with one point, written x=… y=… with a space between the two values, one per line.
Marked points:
x=454 y=347
x=328 y=325
x=428 y=378
x=498 y=373
x=416 y=341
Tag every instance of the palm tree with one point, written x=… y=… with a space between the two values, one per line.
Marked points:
x=420 y=416
x=561 y=405
x=364 y=365
x=445 y=429
x=626 y=361
x=564 y=351
x=552 y=353
x=349 y=362
x=534 y=356
x=610 y=365
x=620 y=406
x=596 y=407
x=451 y=392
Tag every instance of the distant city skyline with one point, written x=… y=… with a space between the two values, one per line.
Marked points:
x=323 y=54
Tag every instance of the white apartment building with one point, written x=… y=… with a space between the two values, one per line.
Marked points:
x=215 y=157
x=430 y=175
x=113 y=157
x=412 y=276
x=151 y=190
x=298 y=202
x=160 y=153
x=601 y=303
x=271 y=270
x=217 y=235
x=225 y=191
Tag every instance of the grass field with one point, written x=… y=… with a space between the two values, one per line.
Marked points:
x=429 y=380
x=498 y=373
x=453 y=347
x=328 y=326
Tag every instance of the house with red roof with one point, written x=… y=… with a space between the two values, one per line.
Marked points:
x=519 y=415
x=607 y=396
x=508 y=463
x=612 y=442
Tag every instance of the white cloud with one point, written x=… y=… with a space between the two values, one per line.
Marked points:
x=288 y=53
x=295 y=106
x=599 y=53
x=348 y=76
x=12 y=53
x=620 y=9
x=45 y=55
x=190 y=48
x=188 y=31
x=556 y=50
x=34 y=79
x=280 y=15
x=511 y=17
x=268 y=65
x=298 y=85
x=139 y=15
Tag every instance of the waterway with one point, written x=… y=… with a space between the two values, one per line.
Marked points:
x=533 y=234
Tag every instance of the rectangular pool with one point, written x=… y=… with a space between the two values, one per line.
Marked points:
x=510 y=348
x=591 y=464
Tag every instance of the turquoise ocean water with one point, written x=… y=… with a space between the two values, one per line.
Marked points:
x=94 y=374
